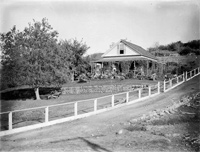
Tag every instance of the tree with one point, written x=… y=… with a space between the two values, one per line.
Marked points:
x=125 y=66
x=35 y=57
x=10 y=58
x=74 y=56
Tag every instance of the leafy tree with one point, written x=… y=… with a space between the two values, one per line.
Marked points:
x=125 y=66
x=195 y=44
x=95 y=56
x=185 y=51
x=10 y=58
x=162 y=47
x=34 y=57
x=74 y=56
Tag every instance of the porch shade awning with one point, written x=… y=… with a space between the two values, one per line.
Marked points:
x=115 y=59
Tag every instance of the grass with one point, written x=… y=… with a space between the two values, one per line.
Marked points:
x=110 y=82
x=37 y=116
x=25 y=118
x=10 y=105
x=27 y=92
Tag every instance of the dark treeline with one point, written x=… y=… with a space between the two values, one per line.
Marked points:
x=179 y=47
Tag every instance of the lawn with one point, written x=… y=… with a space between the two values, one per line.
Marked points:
x=110 y=82
x=9 y=105
x=55 y=112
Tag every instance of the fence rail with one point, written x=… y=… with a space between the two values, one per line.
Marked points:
x=53 y=114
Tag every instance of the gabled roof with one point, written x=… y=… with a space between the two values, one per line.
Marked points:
x=139 y=50
x=141 y=54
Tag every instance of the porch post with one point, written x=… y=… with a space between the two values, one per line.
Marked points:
x=147 y=67
x=101 y=67
x=153 y=66
x=134 y=68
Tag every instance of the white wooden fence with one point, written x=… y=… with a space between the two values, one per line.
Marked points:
x=54 y=114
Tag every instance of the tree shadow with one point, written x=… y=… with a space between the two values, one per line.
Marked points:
x=94 y=146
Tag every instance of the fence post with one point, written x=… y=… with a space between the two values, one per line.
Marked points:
x=177 y=79
x=75 y=109
x=113 y=101
x=139 y=93
x=149 y=90
x=95 y=104
x=164 y=86
x=170 y=82
x=47 y=114
x=186 y=76
x=158 y=87
x=190 y=74
x=198 y=70
x=10 y=120
x=127 y=97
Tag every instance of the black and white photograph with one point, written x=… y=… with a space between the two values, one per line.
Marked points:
x=100 y=75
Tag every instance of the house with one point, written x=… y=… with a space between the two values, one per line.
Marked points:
x=127 y=51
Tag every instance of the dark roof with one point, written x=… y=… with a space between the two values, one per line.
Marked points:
x=139 y=49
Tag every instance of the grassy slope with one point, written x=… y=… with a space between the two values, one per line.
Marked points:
x=8 y=105
x=98 y=132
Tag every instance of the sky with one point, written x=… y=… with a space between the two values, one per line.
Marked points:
x=100 y=23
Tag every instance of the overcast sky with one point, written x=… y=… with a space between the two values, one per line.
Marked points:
x=99 y=23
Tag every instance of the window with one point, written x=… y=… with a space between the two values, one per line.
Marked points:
x=121 y=48
x=121 y=52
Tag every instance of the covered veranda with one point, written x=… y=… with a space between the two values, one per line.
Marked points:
x=142 y=65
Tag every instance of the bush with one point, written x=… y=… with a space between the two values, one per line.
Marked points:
x=130 y=75
x=82 y=78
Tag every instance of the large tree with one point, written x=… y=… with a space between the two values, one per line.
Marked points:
x=35 y=57
x=74 y=56
x=10 y=58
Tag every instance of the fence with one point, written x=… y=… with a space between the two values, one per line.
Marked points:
x=53 y=114
x=172 y=83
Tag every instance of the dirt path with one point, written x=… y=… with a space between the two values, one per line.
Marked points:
x=103 y=132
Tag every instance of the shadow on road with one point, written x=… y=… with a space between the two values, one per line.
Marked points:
x=92 y=145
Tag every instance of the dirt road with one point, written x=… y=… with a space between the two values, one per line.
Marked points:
x=104 y=132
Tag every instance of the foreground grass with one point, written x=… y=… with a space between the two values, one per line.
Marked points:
x=111 y=82
x=10 y=105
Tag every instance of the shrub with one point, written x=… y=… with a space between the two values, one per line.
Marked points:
x=130 y=75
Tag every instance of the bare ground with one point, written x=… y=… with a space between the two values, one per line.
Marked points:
x=125 y=129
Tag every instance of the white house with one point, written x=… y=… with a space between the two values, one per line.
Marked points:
x=126 y=51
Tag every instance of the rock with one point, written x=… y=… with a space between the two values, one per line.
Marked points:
x=166 y=111
x=134 y=120
x=160 y=127
x=120 y=132
x=149 y=127
x=143 y=117
x=126 y=123
x=171 y=111
x=175 y=135
x=167 y=135
x=153 y=114
x=162 y=113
